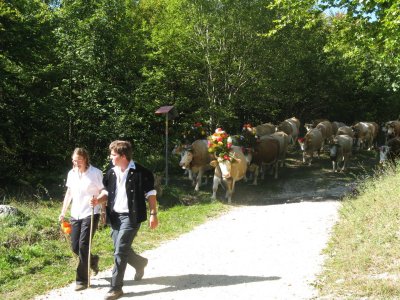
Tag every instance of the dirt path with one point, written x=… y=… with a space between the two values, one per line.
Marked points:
x=267 y=247
x=252 y=252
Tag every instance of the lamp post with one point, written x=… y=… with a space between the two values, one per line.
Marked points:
x=170 y=114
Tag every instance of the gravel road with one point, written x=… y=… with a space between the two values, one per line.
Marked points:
x=251 y=252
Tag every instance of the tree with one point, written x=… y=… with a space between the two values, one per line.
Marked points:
x=363 y=37
x=25 y=93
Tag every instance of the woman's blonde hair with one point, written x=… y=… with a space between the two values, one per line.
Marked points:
x=82 y=153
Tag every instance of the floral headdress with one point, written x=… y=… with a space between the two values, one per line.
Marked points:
x=220 y=143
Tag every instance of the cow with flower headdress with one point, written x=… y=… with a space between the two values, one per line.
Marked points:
x=230 y=163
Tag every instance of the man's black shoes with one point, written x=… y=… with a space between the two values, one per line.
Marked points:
x=113 y=294
x=140 y=270
x=80 y=287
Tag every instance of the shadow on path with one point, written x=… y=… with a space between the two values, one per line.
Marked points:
x=192 y=281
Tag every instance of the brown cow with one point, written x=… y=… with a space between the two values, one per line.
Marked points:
x=312 y=142
x=196 y=158
x=340 y=151
x=391 y=129
x=264 y=129
x=390 y=152
x=229 y=172
x=295 y=121
x=363 y=134
x=326 y=130
x=291 y=128
x=374 y=128
x=265 y=153
x=283 y=140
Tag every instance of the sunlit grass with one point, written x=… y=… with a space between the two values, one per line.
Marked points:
x=363 y=255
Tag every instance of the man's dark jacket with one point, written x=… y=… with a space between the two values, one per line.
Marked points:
x=138 y=182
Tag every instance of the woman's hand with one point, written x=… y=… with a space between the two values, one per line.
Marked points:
x=61 y=218
x=94 y=201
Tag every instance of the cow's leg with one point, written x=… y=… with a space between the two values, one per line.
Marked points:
x=271 y=171
x=229 y=190
x=245 y=177
x=283 y=163
x=216 y=182
x=339 y=163
x=194 y=178
x=310 y=158
x=333 y=166
x=275 y=166
x=371 y=144
x=190 y=174
x=322 y=146
x=256 y=172
x=345 y=160
x=251 y=169
x=206 y=178
x=304 y=157
x=198 y=179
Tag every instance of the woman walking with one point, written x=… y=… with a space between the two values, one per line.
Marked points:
x=84 y=182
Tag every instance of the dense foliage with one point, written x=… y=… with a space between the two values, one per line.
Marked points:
x=78 y=72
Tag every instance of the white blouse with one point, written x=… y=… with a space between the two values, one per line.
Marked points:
x=83 y=187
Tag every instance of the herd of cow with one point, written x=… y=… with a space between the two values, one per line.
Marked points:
x=271 y=145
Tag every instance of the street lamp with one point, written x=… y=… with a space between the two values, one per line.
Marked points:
x=170 y=114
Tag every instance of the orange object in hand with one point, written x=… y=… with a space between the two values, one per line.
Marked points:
x=66 y=227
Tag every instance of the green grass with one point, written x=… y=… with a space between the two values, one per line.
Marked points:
x=33 y=248
x=363 y=254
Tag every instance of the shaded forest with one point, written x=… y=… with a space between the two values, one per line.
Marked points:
x=86 y=72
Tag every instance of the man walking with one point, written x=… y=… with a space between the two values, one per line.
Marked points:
x=127 y=187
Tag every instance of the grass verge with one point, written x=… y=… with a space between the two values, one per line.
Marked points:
x=363 y=255
x=33 y=249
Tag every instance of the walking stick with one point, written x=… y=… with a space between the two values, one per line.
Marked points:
x=90 y=243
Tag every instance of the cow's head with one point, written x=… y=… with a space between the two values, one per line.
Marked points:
x=247 y=128
x=334 y=149
x=248 y=154
x=186 y=158
x=302 y=143
x=308 y=127
x=179 y=149
x=391 y=132
x=225 y=166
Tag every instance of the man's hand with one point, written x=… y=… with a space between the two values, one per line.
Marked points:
x=153 y=221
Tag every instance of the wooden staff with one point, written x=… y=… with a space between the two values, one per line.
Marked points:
x=90 y=243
